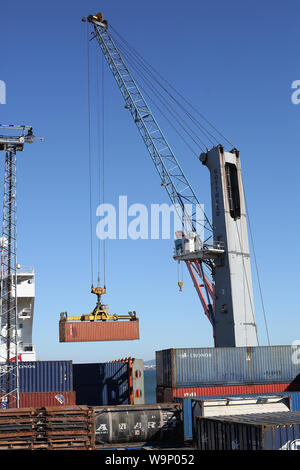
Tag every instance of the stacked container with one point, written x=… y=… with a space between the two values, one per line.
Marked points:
x=232 y=405
x=267 y=431
x=109 y=383
x=42 y=383
x=226 y=371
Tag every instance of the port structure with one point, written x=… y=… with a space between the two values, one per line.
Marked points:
x=219 y=265
x=12 y=140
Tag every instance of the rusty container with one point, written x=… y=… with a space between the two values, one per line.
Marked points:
x=37 y=400
x=82 y=331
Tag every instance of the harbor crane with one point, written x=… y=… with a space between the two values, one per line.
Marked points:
x=219 y=266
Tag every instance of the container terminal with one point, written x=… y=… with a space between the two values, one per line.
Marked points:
x=236 y=395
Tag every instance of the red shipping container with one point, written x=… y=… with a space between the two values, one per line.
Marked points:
x=167 y=395
x=98 y=331
x=40 y=399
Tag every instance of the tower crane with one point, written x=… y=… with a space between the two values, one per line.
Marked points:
x=226 y=293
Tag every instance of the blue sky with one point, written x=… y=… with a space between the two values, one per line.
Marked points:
x=236 y=62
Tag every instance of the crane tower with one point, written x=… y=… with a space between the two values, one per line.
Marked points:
x=12 y=140
x=226 y=295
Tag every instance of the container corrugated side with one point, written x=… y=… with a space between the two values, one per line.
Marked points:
x=188 y=367
x=164 y=367
x=268 y=431
x=42 y=376
x=37 y=400
x=98 y=384
x=190 y=406
x=168 y=394
x=98 y=331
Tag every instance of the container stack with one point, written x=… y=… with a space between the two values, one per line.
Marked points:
x=43 y=383
x=118 y=382
x=199 y=372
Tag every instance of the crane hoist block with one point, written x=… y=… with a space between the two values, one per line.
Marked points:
x=74 y=331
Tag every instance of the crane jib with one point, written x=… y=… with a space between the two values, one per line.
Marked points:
x=172 y=177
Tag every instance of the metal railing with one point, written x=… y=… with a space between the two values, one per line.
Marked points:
x=25 y=270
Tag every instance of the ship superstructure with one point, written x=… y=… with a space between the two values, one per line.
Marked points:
x=25 y=310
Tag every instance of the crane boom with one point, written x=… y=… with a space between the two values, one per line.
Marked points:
x=171 y=174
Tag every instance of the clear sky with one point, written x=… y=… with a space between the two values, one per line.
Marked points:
x=235 y=61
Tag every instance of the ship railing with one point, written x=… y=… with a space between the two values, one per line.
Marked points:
x=25 y=270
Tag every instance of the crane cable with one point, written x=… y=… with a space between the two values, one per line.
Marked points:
x=257 y=274
x=200 y=127
x=167 y=106
x=151 y=68
x=156 y=93
x=103 y=175
x=101 y=163
x=90 y=156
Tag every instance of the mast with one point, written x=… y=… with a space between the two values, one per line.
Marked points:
x=12 y=141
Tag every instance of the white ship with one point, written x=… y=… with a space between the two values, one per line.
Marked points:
x=26 y=297
x=25 y=309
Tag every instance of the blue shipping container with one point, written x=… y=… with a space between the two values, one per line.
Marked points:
x=101 y=384
x=193 y=367
x=266 y=431
x=188 y=405
x=41 y=376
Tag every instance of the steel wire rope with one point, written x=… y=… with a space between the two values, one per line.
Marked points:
x=257 y=273
x=204 y=213
x=101 y=163
x=103 y=166
x=156 y=105
x=166 y=105
x=90 y=155
x=200 y=127
x=247 y=281
x=172 y=87
x=172 y=125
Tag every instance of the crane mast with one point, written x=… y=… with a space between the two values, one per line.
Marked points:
x=12 y=140
x=226 y=303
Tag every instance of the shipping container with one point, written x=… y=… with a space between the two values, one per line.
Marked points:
x=145 y=424
x=194 y=367
x=266 y=431
x=36 y=400
x=109 y=383
x=224 y=405
x=82 y=331
x=42 y=376
x=168 y=394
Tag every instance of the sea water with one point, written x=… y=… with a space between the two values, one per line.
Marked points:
x=150 y=385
